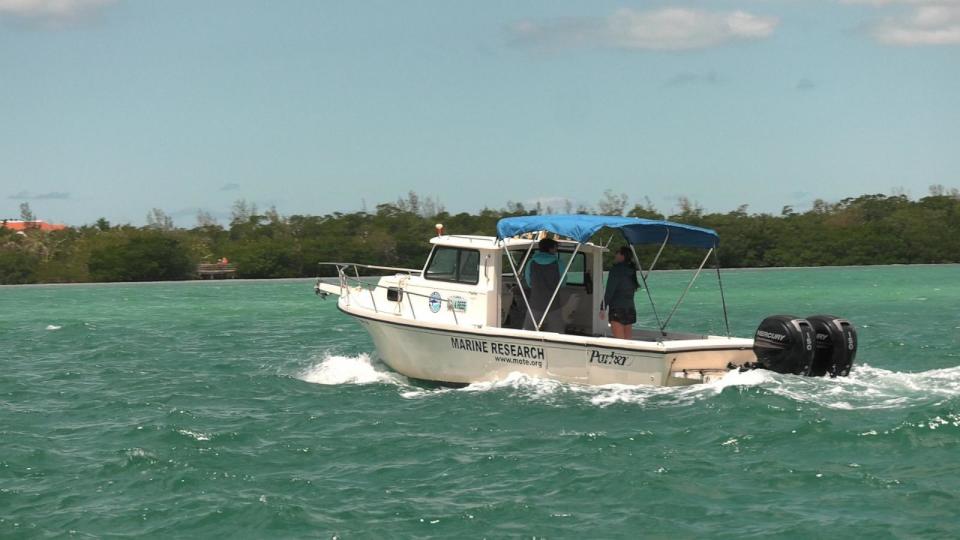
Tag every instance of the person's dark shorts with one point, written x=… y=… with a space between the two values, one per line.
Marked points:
x=625 y=316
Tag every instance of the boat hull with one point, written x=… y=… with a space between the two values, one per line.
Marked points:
x=461 y=356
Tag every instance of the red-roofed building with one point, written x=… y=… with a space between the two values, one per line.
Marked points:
x=18 y=225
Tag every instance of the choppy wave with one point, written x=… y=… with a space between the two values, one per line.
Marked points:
x=867 y=387
x=349 y=370
x=195 y=435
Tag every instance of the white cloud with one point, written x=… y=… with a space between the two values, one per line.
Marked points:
x=916 y=22
x=901 y=2
x=669 y=29
x=50 y=9
x=23 y=195
x=926 y=25
x=689 y=78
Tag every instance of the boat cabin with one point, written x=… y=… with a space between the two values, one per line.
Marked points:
x=472 y=280
x=478 y=281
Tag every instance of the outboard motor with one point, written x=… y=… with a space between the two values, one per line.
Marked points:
x=836 y=346
x=785 y=344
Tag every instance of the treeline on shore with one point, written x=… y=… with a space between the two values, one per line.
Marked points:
x=870 y=229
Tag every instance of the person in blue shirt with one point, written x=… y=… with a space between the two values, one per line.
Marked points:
x=543 y=277
x=622 y=284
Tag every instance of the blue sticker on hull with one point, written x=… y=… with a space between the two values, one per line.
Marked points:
x=435 y=302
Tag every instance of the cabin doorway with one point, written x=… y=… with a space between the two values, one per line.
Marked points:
x=574 y=299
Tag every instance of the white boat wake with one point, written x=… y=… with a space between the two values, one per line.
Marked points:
x=867 y=387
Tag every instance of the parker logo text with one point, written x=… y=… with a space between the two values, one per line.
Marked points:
x=609 y=359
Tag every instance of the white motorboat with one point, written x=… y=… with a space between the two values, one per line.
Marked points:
x=459 y=319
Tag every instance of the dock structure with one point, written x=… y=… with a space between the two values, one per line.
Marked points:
x=216 y=270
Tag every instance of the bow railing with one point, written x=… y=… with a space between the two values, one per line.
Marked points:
x=349 y=280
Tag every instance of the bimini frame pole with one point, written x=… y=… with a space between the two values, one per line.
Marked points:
x=675 y=306
x=723 y=300
x=519 y=282
x=526 y=256
x=603 y=284
x=643 y=277
x=659 y=251
x=560 y=284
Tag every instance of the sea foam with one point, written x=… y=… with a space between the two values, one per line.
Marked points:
x=347 y=370
x=867 y=387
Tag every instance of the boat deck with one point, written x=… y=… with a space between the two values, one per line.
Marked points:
x=640 y=334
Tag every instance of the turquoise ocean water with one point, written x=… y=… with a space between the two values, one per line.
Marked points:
x=256 y=410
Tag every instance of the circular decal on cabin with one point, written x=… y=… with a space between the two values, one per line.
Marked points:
x=435 y=302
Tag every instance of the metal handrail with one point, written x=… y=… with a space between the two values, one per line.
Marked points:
x=372 y=267
x=345 y=283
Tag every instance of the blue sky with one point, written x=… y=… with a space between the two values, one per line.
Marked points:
x=112 y=107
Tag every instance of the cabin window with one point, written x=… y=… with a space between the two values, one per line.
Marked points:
x=517 y=255
x=455 y=265
x=469 y=266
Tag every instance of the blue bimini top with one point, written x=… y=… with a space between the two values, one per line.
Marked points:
x=581 y=228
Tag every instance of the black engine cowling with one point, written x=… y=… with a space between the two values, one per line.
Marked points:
x=785 y=344
x=836 y=346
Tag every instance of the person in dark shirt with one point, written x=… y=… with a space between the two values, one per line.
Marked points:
x=622 y=284
x=543 y=276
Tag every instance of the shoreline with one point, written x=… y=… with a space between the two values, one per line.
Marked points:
x=311 y=279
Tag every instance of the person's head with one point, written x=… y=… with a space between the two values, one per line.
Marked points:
x=625 y=255
x=548 y=245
